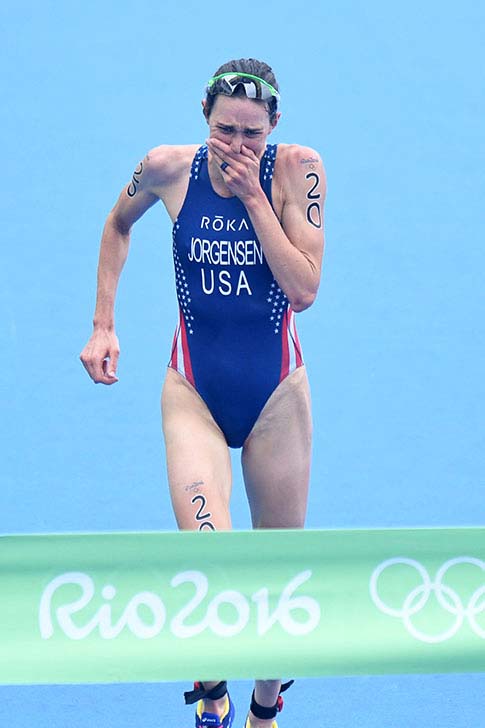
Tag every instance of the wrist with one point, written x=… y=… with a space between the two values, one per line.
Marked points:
x=256 y=201
x=100 y=324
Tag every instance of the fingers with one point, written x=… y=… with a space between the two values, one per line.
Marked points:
x=113 y=364
x=109 y=372
x=100 y=361
x=239 y=169
x=218 y=148
x=222 y=156
x=100 y=371
x=247 y=152
x=223 y=152
x=234 y=165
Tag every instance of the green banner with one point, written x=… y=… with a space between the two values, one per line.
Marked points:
x=128 y=607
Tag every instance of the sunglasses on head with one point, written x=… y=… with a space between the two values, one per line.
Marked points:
x=255 y=87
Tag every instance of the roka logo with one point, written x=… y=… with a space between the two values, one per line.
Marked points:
x=457 y=590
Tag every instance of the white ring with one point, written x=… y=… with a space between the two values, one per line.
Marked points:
x=446 y=597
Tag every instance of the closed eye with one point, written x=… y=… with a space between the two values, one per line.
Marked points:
x=226 y=129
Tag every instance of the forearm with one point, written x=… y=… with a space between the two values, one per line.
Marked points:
x=296 y=273
x=112 y=256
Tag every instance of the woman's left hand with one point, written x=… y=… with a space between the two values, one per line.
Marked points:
x=241 y=175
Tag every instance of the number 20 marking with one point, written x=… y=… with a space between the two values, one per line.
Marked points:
x=313 y=214
x=199 y=516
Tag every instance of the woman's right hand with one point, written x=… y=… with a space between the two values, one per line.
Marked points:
x=100 y=356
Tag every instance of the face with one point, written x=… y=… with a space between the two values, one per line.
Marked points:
x=237 y=120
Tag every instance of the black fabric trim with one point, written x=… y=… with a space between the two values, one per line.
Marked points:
x=200 y=693
x=264 y=713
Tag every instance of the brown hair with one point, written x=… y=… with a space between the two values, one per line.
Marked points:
x=245 y=65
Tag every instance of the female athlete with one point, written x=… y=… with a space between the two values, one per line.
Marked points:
x=247 y=246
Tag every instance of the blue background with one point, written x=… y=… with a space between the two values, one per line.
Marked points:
x=392 y=96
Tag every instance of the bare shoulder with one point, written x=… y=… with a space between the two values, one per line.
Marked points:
x=299 y=173
x=165 y=165
x=162 y=174
x=292 y=159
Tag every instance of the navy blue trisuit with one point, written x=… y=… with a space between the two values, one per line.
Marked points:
x=236 y=338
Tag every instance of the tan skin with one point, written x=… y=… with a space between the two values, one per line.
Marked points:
x=276 y=454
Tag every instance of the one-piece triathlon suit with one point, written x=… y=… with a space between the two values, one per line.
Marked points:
x=236 y=339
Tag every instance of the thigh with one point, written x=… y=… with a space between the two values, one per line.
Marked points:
x=198 y=461
x=276 y=456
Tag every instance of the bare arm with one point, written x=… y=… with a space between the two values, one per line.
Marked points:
x=100 y=355
x=293 y=246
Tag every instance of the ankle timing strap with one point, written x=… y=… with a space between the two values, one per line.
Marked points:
x=259 y=711
x=199 y=692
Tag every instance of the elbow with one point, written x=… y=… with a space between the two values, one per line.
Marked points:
x=304 y=301
x=118 y=225
x=305 y=294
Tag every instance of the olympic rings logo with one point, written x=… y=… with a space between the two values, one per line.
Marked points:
x=446 y=596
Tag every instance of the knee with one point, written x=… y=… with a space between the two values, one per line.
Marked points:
x=273 y=521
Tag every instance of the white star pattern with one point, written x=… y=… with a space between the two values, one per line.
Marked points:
x=270 y=157
x=279 y=304
x=183 y=293
x=195 y=169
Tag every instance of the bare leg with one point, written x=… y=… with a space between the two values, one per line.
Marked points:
x=198 y=461
x=276 y=456
x=199 y=470
x=276 y=465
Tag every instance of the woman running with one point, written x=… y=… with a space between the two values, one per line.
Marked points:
x=247 y=246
